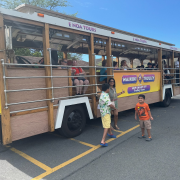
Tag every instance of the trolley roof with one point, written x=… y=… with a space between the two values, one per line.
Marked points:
x=62 y=20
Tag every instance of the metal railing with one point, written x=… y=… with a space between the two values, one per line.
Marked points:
x=52 y=86
x=171 y=77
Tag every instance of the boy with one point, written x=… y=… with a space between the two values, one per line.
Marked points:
x=143 y=111
x=105 y=109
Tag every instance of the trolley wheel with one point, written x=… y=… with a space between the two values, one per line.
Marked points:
x=74 y=121
x=167 y=100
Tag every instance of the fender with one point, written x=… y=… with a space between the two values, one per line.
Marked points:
x=69 y=102
x=167 y=86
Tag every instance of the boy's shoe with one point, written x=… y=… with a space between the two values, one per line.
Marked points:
x=111 y=135
x=104 y=145
x=148 y=139
x=140 y=137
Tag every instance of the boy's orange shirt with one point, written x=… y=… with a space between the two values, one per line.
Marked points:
x=143 y=111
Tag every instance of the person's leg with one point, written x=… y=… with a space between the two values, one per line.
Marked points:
x=80 y=87
x=116 y=119
x=104 y=135
x=86 y=82
x=76 y=83
x=143 y=132
x=149 y=133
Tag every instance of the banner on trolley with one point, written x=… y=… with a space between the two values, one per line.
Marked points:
x=134 y=83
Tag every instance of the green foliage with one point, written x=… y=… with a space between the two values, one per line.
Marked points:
x=46 y=4
x=27 y=52
x=70 y=55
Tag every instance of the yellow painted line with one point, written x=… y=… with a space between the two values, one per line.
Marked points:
x=118 y=131
x=84 y=143
x=65 y=164
x=29 y=158
x=79 y=156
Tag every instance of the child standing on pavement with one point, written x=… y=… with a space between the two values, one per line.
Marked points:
x=105 y=109
x=143 y=111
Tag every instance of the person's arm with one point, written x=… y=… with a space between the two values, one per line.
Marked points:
x=112 y=106
x=149 y=112
x=136 y=113
x=118 y=94
x=83 y=72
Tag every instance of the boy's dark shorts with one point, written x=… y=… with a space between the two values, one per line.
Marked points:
x=145 y=124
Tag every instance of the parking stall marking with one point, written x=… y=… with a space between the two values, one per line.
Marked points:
x=80 y=156
x=84 y=143
x=29 y=158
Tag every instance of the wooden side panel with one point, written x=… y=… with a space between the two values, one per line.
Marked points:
x=29 y=125
x=59 y=82
x=176 y=90
x=23 y=96
x=130 y=102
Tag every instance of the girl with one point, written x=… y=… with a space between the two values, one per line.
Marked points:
x=113 y=97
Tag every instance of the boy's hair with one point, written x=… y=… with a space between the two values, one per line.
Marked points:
x=105 y=87
x=141 y=95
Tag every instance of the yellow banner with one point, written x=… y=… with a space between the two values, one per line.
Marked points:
x=134 y=83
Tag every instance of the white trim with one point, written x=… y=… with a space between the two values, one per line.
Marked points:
x=68 y=102
x=167 y=86
x=66 y=23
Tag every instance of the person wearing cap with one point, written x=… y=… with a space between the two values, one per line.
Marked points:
x=64 y=63
x=149 y=66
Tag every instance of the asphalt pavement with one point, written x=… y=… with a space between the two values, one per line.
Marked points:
x=52 y=157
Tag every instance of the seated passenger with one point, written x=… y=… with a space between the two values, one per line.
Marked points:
x=142 y=67
x=124 y=65
x=77 y=71
x=103 y=71
x=167 y=75
x=149 y=67
x=153 y=66
x=64 y=63
x=115 y=65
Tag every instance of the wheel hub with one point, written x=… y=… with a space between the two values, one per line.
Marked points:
x=74 y=120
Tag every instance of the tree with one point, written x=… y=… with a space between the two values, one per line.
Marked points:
x=46 y=4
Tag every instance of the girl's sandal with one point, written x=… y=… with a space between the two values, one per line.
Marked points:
x=116 y=127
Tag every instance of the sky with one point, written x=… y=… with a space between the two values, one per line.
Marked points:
x=157 y=19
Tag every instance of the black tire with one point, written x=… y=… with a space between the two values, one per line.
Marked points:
x=167 y=100
x=74 y=121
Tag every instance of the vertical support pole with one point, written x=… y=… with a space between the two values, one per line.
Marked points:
x=131 y=62
x=64 y=55
x=92 y=72
x=5 y=113
x=142 y=62
x=46 y=46
x=117 y=60
x=173 y=70
x=108 y=53
x=161 y=69
x=103 y=57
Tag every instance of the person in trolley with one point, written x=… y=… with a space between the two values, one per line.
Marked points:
x=114 y=97
x=105 y=105
x=77 y=71
x=143 y=111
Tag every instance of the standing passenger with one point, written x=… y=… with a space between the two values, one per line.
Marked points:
x=113 y=97
x=105 y=109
